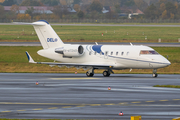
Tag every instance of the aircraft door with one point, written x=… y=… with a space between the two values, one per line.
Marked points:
x=106 y=55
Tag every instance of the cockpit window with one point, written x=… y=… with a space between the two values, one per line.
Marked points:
x=148 y=52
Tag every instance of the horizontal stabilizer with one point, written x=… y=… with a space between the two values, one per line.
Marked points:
x=29 y=58
x=34 y=23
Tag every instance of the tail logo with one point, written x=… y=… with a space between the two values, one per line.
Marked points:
x=52 y=39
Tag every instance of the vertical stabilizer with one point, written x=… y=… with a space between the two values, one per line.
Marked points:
x=47 y=35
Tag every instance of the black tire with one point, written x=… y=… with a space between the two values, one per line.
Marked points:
x=155 y=75
x=106 y=74
x=89 y=74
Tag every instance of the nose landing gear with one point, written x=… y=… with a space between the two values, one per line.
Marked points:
x=155 y=73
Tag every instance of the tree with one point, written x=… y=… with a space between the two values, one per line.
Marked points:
x=117 y=8
x=176 y=5
x=60 y=11
x=151 y=12
x=8 y=3
x=76 y=1
x=80 y=14
x=63 y=2
x=50 y=2
x=171 y=16
x=15 y=8
x=141 y=4
x=30 y=3
x=164 y=14
x=23 y=16
x=76 y=7
x=127 y=2
x=162 y=7
x=30 y=11
x=96 y=6
x=2 y=12
x=170 y=7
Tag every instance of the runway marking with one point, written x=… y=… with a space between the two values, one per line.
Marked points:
x=82 y=105
x=53 y=108
x=163 y=100
x=74 y=78
x=123 y=103
x=67 y=107
x=176 y=99
x=15 y=103
x=150 y=101
x=37 y=109
x=5 y=111
x=21 y=110
x=110 y=104
x=136 y=102
x=95 y=105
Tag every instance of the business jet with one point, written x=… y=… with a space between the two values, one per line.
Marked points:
x=91 y=57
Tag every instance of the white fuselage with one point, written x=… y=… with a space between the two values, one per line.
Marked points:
x=120 y=56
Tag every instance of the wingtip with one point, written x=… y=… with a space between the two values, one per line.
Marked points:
x=29 y=58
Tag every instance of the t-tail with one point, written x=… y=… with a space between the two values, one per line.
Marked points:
x=46 y=35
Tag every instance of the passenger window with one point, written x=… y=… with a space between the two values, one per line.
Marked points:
x=111 y=53
x=106 y=53
x=127 y=53
x=116 y=53
x=122 y=53
x=90 y=53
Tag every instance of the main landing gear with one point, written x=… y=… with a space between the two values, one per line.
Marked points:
x=154 y=73
x=106 y=73
x=90 y=73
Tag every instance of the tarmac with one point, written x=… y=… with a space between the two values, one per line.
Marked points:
x=75 y=96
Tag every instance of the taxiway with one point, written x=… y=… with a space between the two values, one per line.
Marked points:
x=75 y=96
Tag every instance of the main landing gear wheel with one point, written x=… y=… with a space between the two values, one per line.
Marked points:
x=89 y=74
x=106 y=74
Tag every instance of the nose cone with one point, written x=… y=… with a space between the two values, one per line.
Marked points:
x=167 y=63
x=164 y=62
x=160 y=62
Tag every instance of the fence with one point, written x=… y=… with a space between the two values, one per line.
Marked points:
x=94 y=21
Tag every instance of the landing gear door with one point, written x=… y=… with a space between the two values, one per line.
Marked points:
x=106 y=55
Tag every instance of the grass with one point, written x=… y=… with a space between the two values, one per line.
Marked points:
x=13 y=59
x=93 y=33
x=168 y=86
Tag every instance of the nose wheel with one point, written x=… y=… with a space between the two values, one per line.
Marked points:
x=155 y=73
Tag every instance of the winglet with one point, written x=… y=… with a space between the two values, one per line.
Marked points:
x=29 y=58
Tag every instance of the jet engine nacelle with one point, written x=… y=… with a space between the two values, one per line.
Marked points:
x=71 y=50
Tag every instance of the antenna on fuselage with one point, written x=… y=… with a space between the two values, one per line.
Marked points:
x=131 y=44
x=167 y=56
x=96 y=43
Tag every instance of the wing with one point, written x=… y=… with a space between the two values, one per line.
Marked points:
x=77 y=65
